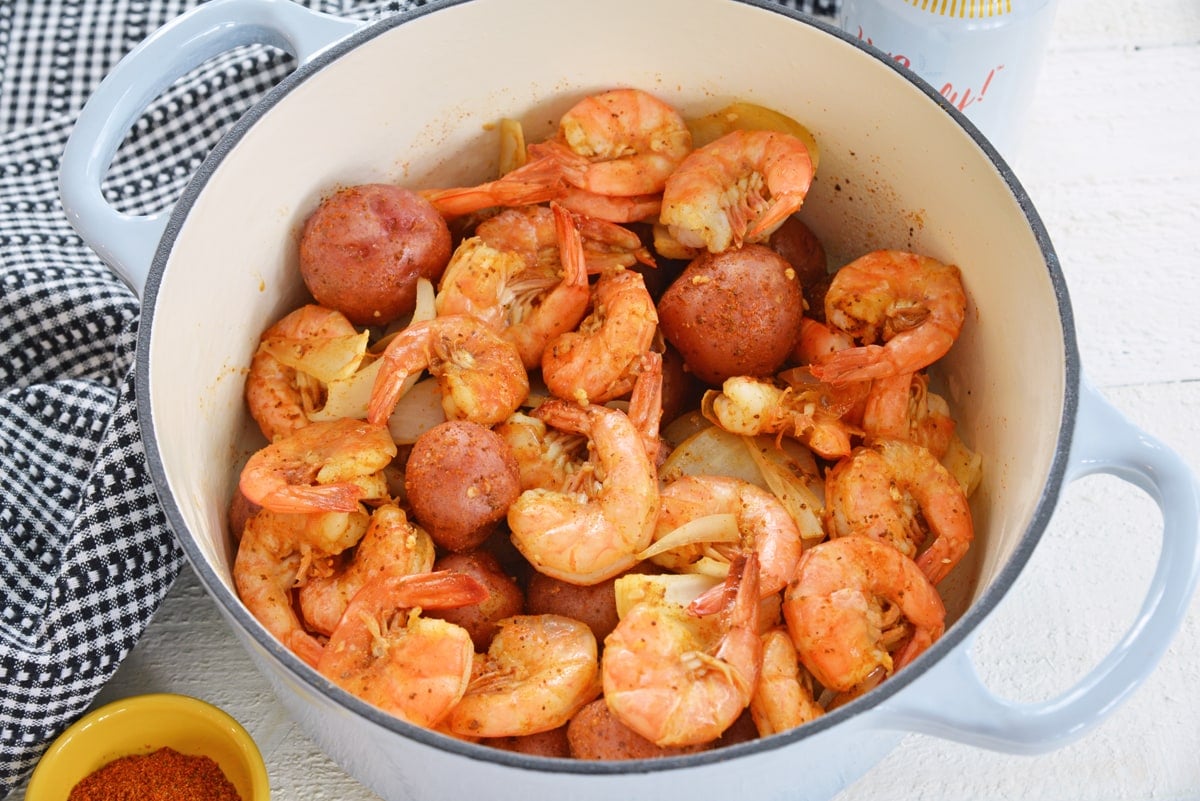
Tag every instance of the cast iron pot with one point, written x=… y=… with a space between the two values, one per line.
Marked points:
x=408 y=99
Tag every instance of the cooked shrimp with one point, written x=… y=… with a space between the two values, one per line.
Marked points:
x=537 y=673
x=279 y=397
x=620 y=143
x=914 y=304
x=739 y=188
x=783 y=698
x=877 y=491
x=480 y=373
x=537 y=181
x=817 y=340
x=528 y=302
x=813 y=415
x=617 y=210
x=598 y=361
x=274 y=555
x=532 y=232
x=835 y=615
x=645 y=403
x=386 y=653
x=901 y=407
x=595 y=530
x=391 y=544
x=322 y=467
x=679 y=678
x=704 y=522
x=546 y=457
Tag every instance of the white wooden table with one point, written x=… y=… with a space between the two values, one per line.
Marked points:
x=1110 y=161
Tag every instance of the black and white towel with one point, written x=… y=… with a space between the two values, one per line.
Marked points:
x=85 y=553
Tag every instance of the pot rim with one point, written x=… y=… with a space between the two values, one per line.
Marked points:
x=956 y=636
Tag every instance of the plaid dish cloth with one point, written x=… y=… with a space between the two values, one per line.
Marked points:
x=85 y=553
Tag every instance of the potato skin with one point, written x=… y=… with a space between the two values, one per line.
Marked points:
x=796 y=242
x=460 y=479
x=595 y=605
x=733 y=313
x=364 y=247
x=504 y=596
x=596 y=733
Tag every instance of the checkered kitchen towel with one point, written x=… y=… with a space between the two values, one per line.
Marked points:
x=85 y=553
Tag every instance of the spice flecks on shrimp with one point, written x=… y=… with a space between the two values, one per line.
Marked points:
x=680 y=678
x=879 y=489
x=594 y=531
x=914 y=304
x=479 y=373
x=322 y=467
x=737 y=189
x=836 y=616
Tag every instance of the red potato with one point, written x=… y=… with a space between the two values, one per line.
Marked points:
x=733 y=313
x=363 y=249
x=504 y=597
x=796 y=242
x=551 y=743
x=460 y=479
x=596 y=733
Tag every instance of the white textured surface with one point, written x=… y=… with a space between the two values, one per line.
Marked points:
x=1111 y=165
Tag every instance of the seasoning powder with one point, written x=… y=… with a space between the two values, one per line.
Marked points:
x=162 y=775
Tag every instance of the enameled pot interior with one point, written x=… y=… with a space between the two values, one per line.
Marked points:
x=415 y=103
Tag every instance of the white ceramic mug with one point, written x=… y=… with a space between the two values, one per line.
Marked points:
x=983 y=56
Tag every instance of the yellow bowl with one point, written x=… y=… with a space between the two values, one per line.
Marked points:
x=142 y=724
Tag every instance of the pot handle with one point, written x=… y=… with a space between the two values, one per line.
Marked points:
x=950 y=701
x=127 y=242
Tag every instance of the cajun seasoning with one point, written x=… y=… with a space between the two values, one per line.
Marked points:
x=162 y=775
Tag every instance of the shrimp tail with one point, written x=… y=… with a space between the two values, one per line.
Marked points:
x=854 y=364
x=340 y=497
x=538 y=181
x=782 y=207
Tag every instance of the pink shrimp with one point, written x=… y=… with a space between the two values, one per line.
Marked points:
x=598 y=361
x=901 y=407
x=480 y=373
x=537 y=181
x=386 y=653
x=278 y=397
x=322 y=467
x=916 y=305
x=682 y=676
x=876 y=492
x=836 y=617
x=738 y=188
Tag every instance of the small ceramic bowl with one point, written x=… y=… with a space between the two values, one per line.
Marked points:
x=142 y=724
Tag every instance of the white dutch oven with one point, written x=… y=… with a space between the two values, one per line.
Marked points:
x=408 y=100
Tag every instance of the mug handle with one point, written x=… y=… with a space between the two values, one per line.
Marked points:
x=950 y=701
x=127 y=242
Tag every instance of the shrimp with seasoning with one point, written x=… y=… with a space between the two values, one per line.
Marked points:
x=914 y=304
x=391 y=544
x=537 y=673
x=598 y=361
x=618 y=149
x=386 y=653
x=275 y=555
x=280 y=397
x=480 y=373
x=739 y=188
x=812 y=413
x=706 y=521
x=594 y=529
x=902 y=407
x=783 y=698
x=528 y=302
x=679 y=677
x=532 y=232
x=877 y=491
x=539 y=180
x=836 y=615
x=322 y=467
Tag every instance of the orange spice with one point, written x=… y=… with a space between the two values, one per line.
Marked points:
x=162 y=775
